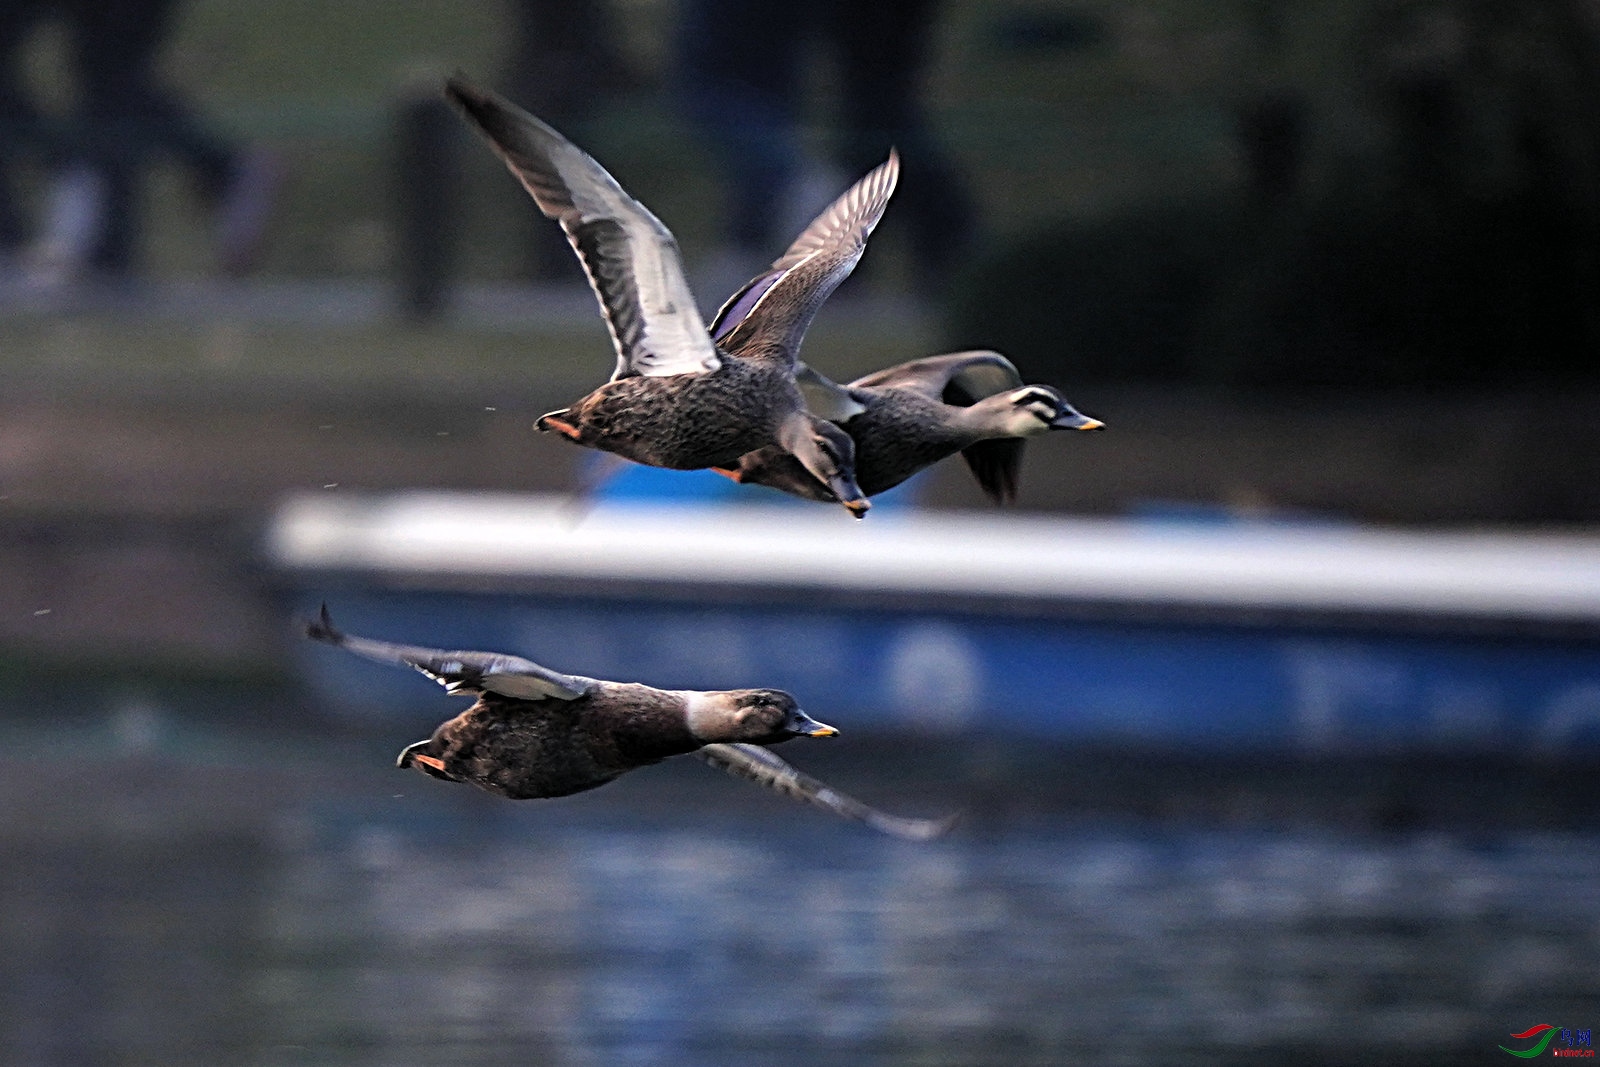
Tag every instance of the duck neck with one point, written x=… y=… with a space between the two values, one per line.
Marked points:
x=979 y=422
x=653 y=727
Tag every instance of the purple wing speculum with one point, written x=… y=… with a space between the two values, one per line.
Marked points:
x=736 y=309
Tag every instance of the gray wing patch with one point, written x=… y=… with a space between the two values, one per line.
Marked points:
x=460 y=672
x=959 y=378
x=778 y=305
x=824 y=397
x=631 y=259
x=757 y=764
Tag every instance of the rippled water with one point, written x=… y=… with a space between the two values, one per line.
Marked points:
x=186 y=911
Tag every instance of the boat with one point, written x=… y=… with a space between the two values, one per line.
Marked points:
x=1311 y=637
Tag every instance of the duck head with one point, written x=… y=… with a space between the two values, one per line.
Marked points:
x=829 y=454
x=777 y=469
x=751 y=716
x=1028 y=412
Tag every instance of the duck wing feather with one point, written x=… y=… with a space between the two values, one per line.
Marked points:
x=776 y=307
x=957 y=378
x=631 y=259
x=824 y=397
x=997 y=466
x=759 y=765
x=460 y=672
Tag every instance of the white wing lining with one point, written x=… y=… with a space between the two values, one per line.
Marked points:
x=631 y=259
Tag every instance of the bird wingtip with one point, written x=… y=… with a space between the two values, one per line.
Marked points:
x=925 y=829
x=458 y=85
x=322 y=629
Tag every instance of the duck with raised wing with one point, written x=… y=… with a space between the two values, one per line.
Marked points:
x=534 y=732
x=915 y=414
x=677 y=398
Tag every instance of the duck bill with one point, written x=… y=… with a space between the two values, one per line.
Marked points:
x=1075 y=420
x=849 y=494
x=857 y=507
x=805 y=726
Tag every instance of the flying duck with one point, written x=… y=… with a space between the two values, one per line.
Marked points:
x=677 y=398
x=534 y=732
x=917 y=413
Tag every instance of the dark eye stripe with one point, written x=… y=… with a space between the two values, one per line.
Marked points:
x=1035 y=396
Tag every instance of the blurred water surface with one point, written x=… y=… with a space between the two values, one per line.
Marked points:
x=296 y=902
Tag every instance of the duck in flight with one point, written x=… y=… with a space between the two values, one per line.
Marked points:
x=913 y=415
x=677 y=398
x=534 y=732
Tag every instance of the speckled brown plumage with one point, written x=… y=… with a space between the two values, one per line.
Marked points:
x=688 y=421
x=560 y=747
x=897 y=435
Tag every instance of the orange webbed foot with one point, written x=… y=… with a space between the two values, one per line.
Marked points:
x=554 y=423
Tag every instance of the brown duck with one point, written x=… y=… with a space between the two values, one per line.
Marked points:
x=534 y=732
x=677 y=398
x=915 y=414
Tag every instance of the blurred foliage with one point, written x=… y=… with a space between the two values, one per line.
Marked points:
x=1346 y=292
x=1352 y=293
x=1430 y=217
x=1119 y=298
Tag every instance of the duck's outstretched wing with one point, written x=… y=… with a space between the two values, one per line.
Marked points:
x=464 y=673
x=776 y=307
x=631 y=259
x=958 y=378
x=997 y=466
x=760 y=765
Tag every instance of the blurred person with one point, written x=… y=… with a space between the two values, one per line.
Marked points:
x=741 y=80
x=24 y=130
x=125 y=117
